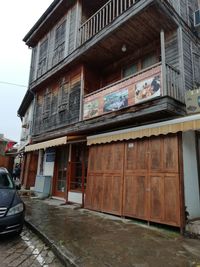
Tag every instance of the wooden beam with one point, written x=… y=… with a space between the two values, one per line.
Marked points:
x=164 y=107
x=81 y=94
x=181 y=61
x=163 y=59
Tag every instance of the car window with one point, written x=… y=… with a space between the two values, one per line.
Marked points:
x=6 y=181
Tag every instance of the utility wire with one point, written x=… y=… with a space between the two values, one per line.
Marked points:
x=15 y=84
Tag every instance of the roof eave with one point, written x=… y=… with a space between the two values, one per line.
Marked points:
x=25 y=103
x=45 y=21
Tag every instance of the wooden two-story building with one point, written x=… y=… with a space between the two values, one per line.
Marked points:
x=110 y=124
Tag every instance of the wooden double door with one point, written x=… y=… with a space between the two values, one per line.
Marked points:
x=139 y=179
x=29 y=170
x=60 y=172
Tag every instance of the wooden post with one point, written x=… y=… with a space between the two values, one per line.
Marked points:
x=69 y=173
x=181 y=64
x=82 y=94
x=162 y=41
x=83 y=176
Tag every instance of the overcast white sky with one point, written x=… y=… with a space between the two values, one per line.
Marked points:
x=16 y=19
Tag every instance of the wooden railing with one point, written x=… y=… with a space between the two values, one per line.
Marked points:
x=106 y=15
x=149 y=83
x=103 y=17
x=173 y=83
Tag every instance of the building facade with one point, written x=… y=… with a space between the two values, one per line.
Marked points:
x=110 y=123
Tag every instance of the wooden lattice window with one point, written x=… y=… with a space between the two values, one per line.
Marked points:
x=54 y=102
x=47 y=102
x=64 y=95
x=60 y=35
x=43 y=57
x=59 y=45
x=196 y=69
x=38 y=115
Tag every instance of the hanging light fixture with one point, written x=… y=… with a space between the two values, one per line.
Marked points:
x=124 y=48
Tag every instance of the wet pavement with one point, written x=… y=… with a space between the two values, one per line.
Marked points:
x=89 y=239
x=26 y=250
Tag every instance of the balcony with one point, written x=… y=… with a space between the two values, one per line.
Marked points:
x=103 y=17
x=101 y=35
x=108 y=13
x=158 y=81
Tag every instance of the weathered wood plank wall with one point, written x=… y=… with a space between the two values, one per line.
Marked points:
x=171 y=48
x=71 y=21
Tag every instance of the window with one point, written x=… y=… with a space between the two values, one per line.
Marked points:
x=60 y=35
x=196 y=68
x=6 y=181
x=149 y=61
x=130 y=70
x=64 y=95
x=47 y=101
x=79 y=162
x=54 y=102
x=37 y=115
x=59 y=45
x=43 y=57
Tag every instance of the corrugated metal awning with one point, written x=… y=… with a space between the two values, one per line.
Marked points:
x=46 y=144
x=171 y=126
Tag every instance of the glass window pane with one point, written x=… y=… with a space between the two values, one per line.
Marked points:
x=149 y=61
x=130 y=70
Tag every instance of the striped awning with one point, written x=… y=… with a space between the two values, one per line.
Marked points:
x=186 y=123
x=46 y=144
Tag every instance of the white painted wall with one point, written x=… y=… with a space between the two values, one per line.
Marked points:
x=75 y=197
x=191 y=180
x=26 y=131
x=48 y=166
x=48 y=169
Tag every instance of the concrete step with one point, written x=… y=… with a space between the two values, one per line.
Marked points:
x=193 y=227
x=26 y=193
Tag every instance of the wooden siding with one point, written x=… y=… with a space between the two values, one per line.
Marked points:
x=187 y=8
x=72 y=30
x=184 y=10
x=59 y=104
x=171 y=49
x=33 y=64
x=196 y=64
x=138 y=179
x=54 y=56
x=187 y=57
x=175 y=4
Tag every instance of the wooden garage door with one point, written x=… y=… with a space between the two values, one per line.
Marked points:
x=151 y=180
x=139 y=179
x=135 y=202
x=105 y=178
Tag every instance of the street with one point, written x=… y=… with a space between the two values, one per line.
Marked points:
x=26 y=250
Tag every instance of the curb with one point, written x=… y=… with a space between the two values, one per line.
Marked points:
x=65 y=260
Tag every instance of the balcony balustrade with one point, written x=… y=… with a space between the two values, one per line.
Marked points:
x=106 y=15
x=103 y=17
x=142 y=86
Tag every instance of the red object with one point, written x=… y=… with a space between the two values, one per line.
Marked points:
x=9 y=146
